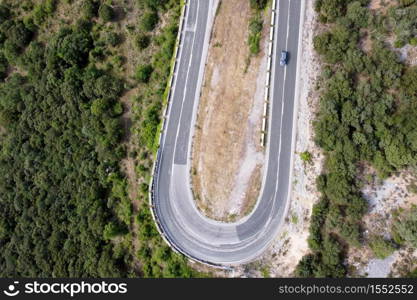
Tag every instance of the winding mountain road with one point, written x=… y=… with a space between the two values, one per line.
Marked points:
x=176 y=214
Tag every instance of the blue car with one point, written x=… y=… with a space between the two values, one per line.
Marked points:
x=284 y=58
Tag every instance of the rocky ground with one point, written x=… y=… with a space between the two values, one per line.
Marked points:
x=384 y=198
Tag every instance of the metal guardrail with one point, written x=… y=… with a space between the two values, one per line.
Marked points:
x=268 y=75
x=155 y=167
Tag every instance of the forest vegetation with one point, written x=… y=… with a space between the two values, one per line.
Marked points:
x=367 y=115
x=65 y=206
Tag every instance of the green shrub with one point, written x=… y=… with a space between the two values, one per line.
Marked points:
x=4 y=65
x=150 y=126
x=106 y=13
x=254 y=46
x=50 y=6
x=358 y=14
x=256 y=24
x=333 y=10
x=412 y=274
x=113 y=39
x=117 y=109
x=405 y=226
x=307 y=266
x=18 y=37
x=144 y=188
x=149 y=20
x=142 y=41
x=4 y=13
x=258 y=4
x=381 y=247
x=143 y=73
x=43 y=10
x=39 y=14
x=306 y=157
x=112 y=230
x=413 y=41
x=399 y=43
x=74 y=47
x=118 y=61
x=255 y=34
x=153 y=4
x=89 y=8
x=318 y=218
x=100 y=106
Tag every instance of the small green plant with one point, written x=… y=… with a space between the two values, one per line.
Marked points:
x=255 y=34
x=254 y=40
x=412 y=274
x=117 y=109
x=381 y=247
x=294 y=219
x=306 y=157
x=399 y=43
x=265 y=272
x=413 y=41
x=149 y=20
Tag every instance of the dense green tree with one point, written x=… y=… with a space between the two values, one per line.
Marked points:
x=18 y=36
x=358 y=14
x=73 y=47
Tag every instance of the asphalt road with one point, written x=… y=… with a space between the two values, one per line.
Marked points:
x=185 y=228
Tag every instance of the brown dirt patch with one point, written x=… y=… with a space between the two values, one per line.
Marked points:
x=381 y=5
x=227 y=158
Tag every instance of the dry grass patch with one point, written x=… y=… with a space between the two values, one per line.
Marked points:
x=227 y=158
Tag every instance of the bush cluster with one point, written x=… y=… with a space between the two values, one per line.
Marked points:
x=367 y=114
